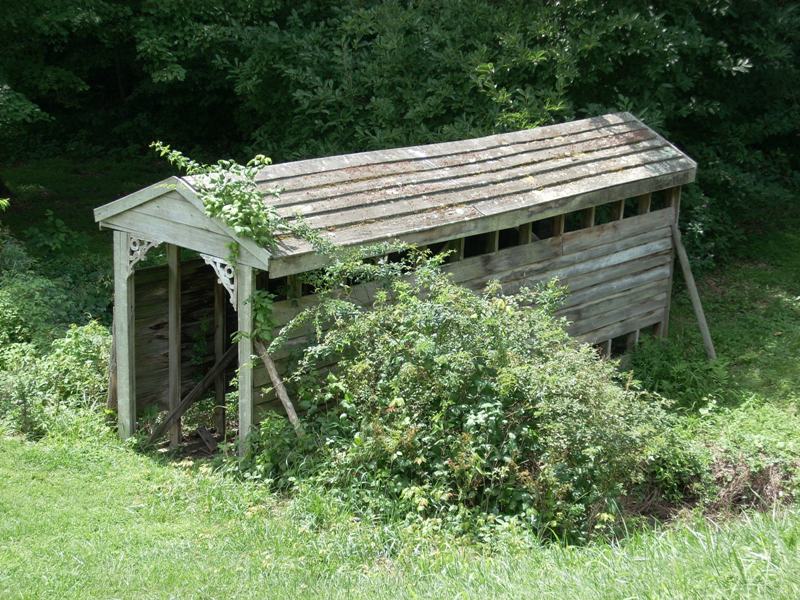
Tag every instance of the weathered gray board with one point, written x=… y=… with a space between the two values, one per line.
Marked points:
x=197 y=330
x=428 y=194
x=617 y=274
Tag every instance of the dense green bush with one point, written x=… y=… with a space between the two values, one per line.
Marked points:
x=463 y=409
x=53 y=374
x=61 y=390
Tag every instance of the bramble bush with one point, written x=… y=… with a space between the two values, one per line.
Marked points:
x=464 y=410
x=53 y=376
x=59 y=391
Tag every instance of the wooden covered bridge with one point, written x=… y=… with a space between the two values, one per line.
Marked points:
x=591 y=202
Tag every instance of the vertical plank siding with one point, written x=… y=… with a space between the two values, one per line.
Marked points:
x=197 y=283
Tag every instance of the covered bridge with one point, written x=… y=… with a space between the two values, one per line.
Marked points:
x=591 y=202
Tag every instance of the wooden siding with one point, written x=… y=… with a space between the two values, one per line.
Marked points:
x=173 y=219
x=151 y=326
x=617 y=275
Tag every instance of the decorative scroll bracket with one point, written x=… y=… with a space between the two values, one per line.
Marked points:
x=137 y=249
x=226 y=275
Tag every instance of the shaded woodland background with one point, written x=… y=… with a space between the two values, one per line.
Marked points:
x=309 y=78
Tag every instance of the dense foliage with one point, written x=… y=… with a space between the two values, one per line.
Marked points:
x=53 y=372
x=297 y=79
x=464 y=409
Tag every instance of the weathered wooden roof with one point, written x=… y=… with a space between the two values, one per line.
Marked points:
x=435 y=192
x=427 y=194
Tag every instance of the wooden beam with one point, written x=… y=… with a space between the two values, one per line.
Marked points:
x=458 y=246
x=688 y=277
x=643 y=203
x=195 y=393
x=588 y=217
x=493 y=242
x=662 y=329
x=174 y=338
x=618 y=211
x=277 y=384
x=124 y=349
x=632 y=340
x=525 y=233
x=244 y=309
x=558 y=225
x=294 y=287
x=220 y=305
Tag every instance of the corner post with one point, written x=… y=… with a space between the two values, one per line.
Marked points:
x=124 y=349
x=244 y=309
x=219 y=350
x=174 y=320
x=662 y=328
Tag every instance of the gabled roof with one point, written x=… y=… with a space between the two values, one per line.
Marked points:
x=426 y=194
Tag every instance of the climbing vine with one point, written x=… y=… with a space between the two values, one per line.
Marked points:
x=231 y=193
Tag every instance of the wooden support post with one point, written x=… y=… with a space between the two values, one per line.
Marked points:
x=124 y=349
x=675 y=202
x=525 y=233
x=219 y=349
x=683 y=258
x=459 y=249
x=244 y=310
x=294 y=287
x=277 y=384
x=632 y=340
x=662 y=328
x=618 y=211
x=493 y=242
x=643 y=204
x=456 y=249
x=174 y=337
x=588 y=217
x=558 y=225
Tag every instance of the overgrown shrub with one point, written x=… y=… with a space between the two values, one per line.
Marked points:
x=40 y=298
x=58 y=391
x=463 y=409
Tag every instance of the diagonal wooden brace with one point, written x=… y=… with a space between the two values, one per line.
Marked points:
x=197 y=391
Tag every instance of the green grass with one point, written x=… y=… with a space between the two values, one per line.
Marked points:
x=99 y=521
x=753 y=309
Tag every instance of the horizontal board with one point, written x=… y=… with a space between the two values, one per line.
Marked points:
x=448 y=168
x=382 y=205
x=293 y=256
x=155 y=228
x=280 y=172
x=614 y=274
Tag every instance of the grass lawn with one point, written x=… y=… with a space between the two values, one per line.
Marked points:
x=101 y=521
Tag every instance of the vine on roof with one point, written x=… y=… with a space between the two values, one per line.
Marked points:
x=231 y=193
